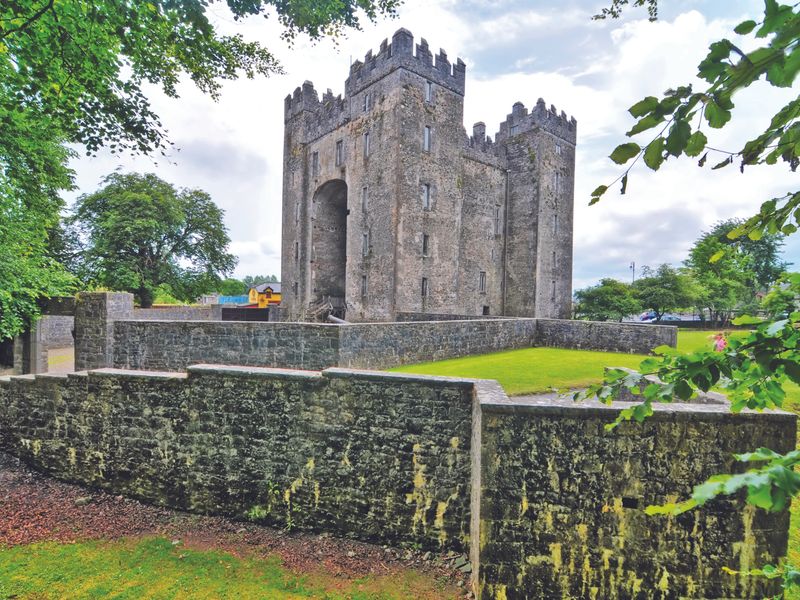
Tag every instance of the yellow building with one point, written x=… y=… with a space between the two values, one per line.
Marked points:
x=265 y=294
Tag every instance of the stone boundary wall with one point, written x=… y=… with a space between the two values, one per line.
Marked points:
x=562 y=502
x=375 y=457
x=412 y=317
x=107 y=335
x=549 y=504
x=383 y=345
x=174 y=345
x=632 y=338
x=179 y=313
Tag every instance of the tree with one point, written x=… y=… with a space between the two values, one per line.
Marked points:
x=665 y=289
x=71 y=72
x=231 y=287
x=729 y=273
x=139 y=232
x=754 y=369
x=782 y=299
x=251 y=280
x=610 y=299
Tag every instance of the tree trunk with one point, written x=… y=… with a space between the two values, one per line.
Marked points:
x=145 y=295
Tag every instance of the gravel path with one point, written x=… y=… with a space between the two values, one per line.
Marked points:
x=35 y=508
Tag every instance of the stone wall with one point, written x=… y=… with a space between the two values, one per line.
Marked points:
x=607 y=336
x=561 y=509
x=95 y=315
x=376 y=457
x=549 y=503
x=179 y=313
x=412 y=317
x=383 y=345
x=57 y=330
x=174 y=345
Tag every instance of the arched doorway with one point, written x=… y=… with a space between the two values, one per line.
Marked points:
x=329 y=242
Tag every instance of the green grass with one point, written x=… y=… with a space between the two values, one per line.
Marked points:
x=153 y=568
x=535 y=370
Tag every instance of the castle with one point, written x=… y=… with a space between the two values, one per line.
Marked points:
x=390 y=208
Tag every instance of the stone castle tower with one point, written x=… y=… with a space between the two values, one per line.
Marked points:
x=390 y=208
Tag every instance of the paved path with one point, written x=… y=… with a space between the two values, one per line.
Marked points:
x=61 y=360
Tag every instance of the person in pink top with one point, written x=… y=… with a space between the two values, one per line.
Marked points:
x=720 y=343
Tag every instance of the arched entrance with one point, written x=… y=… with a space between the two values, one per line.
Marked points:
x=329 y=242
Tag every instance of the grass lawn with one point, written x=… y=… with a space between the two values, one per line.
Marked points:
x=154 y=568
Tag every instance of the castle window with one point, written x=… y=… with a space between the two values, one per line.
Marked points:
x=555 y=224
x=426 y=196
x=367 y=102
x=428 y=91
x=366 y=144
x=425 y=244
x=339 y=153
x=514 y=129
x=424 y=287
x=554 y=260
x=553 y=292
x=365 y=244
x=558 y=149
x=485 y=311
x=558 y=182
x=314 y=164
x=426 y=139
x=297 y=213
x=296 y=250
x=482 y=282
x=294 y=289
x=364 y=198
x=363 y=286
x=497 y=228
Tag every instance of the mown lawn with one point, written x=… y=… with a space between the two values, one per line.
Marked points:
x=154 y=568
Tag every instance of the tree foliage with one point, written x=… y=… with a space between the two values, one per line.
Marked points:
x=138 y=233
x=608 y=300
x=251 y=280
x=782 y=298
x=755 y=369
x=664 y=290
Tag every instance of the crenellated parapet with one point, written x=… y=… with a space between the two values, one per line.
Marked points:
x=403 y=53
x=549 y=119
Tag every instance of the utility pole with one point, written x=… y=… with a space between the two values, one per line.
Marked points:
x=633 y=272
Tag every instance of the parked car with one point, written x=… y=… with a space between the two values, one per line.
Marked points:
x=670 y=318
x=647 y=316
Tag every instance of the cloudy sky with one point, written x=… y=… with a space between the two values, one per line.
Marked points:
x=514 y=51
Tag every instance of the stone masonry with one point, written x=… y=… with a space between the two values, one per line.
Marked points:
x=549 y=504
x=390 y=207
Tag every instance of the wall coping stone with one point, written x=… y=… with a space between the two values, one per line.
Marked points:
x=241 y=371
x=675 y=411
x=337 y=372
x=112 y=372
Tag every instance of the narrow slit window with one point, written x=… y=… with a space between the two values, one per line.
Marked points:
x=424 y=287
x=366 y=144
x=339 y=152
x=296 y=250
x=425 y=244
x=558 y=182
x=555 y=224
x=315 y=164
x=426 y=196
x=367 y=102
x=365 y=244
x=497 y=228
x=428 y=91
x=482 y=281
x=294 y=289
x=553 y=291
x=364 y=197
x=363 y=286
x=555 y=265
x=426 y=139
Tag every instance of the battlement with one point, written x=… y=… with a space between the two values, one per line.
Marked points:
x=520 y=120
x=403 y=53
x=330 y=111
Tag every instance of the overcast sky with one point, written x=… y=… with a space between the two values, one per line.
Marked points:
x=514 y=51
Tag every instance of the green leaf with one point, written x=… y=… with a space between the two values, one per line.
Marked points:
x=777 y=326
x=716 y=256
x=678 y=137
x=654 y=153
x=723 y=163
x=624 y=152
x=624 y=187
x=696 y=144
x=716 y=115
x=745 y=27
x=643 y=107
x=747 y=320
x=683 y=389
x=644 y=124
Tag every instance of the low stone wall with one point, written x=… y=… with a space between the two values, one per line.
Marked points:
x=610 y=337
x=179 y=313
x=303 y=450
x=383 y=345
x=174 y=345
x=549 y=503
x=413 y=317
x=561 y=509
